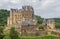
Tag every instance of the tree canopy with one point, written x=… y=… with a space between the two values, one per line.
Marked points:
x=3 y=17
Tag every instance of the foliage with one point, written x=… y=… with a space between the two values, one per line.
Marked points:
x=41 y=37
x=7 y=37
x=41 y=27
x=14 y=34
x=57 y=25
x=57 y=20
x=1 y=33
x=39 y=19
x=3 y=17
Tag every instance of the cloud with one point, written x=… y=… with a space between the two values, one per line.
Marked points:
x=43 y=8
x=49 y=8
x=7 y=4
x=14 y=1
x=46 y=3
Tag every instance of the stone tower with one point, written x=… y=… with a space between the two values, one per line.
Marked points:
x=50 y=24
x=44 y=22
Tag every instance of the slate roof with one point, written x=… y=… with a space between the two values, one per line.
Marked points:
x=27 y=23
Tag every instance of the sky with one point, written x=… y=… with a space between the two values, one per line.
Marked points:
x=43 y=8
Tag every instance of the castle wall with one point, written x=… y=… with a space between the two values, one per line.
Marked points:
x=18 y=17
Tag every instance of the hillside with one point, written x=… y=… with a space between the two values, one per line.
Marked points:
x=57 y=22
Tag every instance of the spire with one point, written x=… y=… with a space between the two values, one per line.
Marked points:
x=44 y=21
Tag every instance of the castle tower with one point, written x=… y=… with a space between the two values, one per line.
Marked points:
x=44 y=22
x=28 y=13
x=50 y=24
x=15 y=17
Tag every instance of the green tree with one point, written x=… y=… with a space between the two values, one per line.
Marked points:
x=41 y=27
x=39 y=19
x=1 y=33
x=7 y=37
x=3 y=17
x=57 y=25
x=14 y=34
